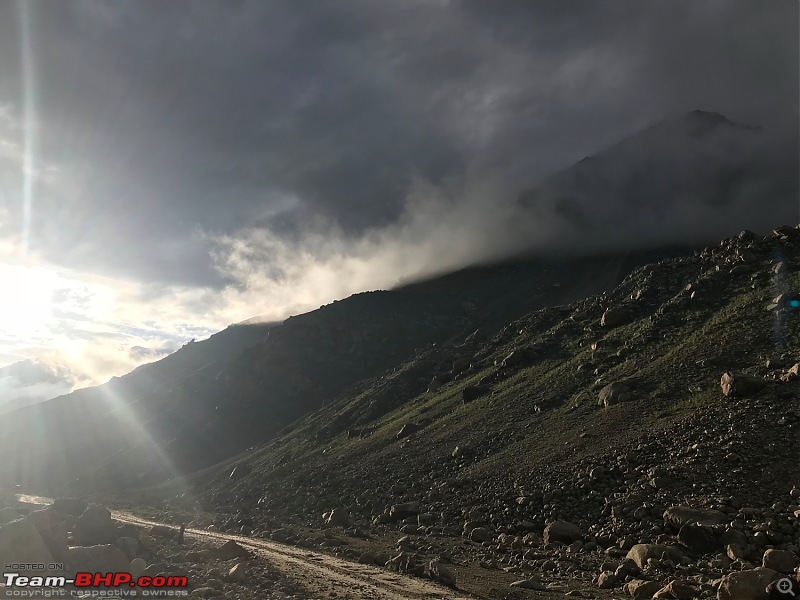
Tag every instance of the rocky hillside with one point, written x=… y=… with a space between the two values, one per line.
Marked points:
x=213 y=399
x=552 y=449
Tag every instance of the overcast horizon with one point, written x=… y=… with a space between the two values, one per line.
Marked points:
x=167 y=169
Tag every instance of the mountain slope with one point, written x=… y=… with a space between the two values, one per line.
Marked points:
x=213 y=399
x=537 y=443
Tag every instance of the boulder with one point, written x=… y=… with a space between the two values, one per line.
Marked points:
x=640 y=553
x=163 y=531
x=698 y=539
x=562 y=531
x=676 y=590
x=480 y=535
x=615 y=317
x=338 y=517
x=407 y=430
x=739 y=385
x=641 y=589
x=404 y=510
x=230 y=550
x=473 y=392
x=237 y=573
x=462 y=364
x=94 y=527
x=138 y=565
x=104 y=558
x=678 y=516
x=781 y=561
x=746 y=585
x=514 y=359
x=614 y=393
x=438 y=572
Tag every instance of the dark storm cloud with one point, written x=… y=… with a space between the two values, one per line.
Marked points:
x=167 y=122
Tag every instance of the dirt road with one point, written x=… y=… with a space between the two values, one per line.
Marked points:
x=322 y=575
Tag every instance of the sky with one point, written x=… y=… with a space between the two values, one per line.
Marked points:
x=168 y=168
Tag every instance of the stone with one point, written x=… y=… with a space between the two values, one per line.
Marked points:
x=614 y=393
x=138 y=565
x=737 y=551
x=740 y=385
x=641 y=553
x=237 y=573
x=94 y=527
x=162 y=531
x=473 y=392
x=615 y=317
x=606 y=580
x=438 y=572
x=407 y=430
x=641 y=589
x=404 y=510
x=530 y=584
x=338 y=517
x=514 y=359
x=678 y=516
x=676 y=590
x=746 y=585
x=698 y=539
x=230 y=550
x=781 y=561
x=105 y=558
x=480 y=534
x=562 y=531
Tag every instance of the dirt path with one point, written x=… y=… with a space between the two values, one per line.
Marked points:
x=321 y=574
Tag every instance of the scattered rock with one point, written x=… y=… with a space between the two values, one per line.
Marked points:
x=105 y=558
x=781 y=561
x=338 y=517
x=698 y=539
x=641 y=589
x=678 y=516
x=94 y=527
x=641 y=553
x=562 y=531
x=407 y=430
x=473 y=392
x=237 y=573
x=739 y=385
x=746 y=585
x=230 y=550
x=438 y=572
x=615 y=317
x=614 y=393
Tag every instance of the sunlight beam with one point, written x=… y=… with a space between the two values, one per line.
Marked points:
x=29 y=125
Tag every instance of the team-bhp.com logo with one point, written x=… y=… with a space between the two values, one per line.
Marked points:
x=86 y=584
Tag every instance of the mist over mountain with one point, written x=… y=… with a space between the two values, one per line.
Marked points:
x=30 y=381
x=685 y=179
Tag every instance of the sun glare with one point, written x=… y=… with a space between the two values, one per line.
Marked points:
x=26 y=303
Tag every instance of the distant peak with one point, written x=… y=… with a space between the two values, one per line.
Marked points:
x=702 y=122
x=706 y=115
